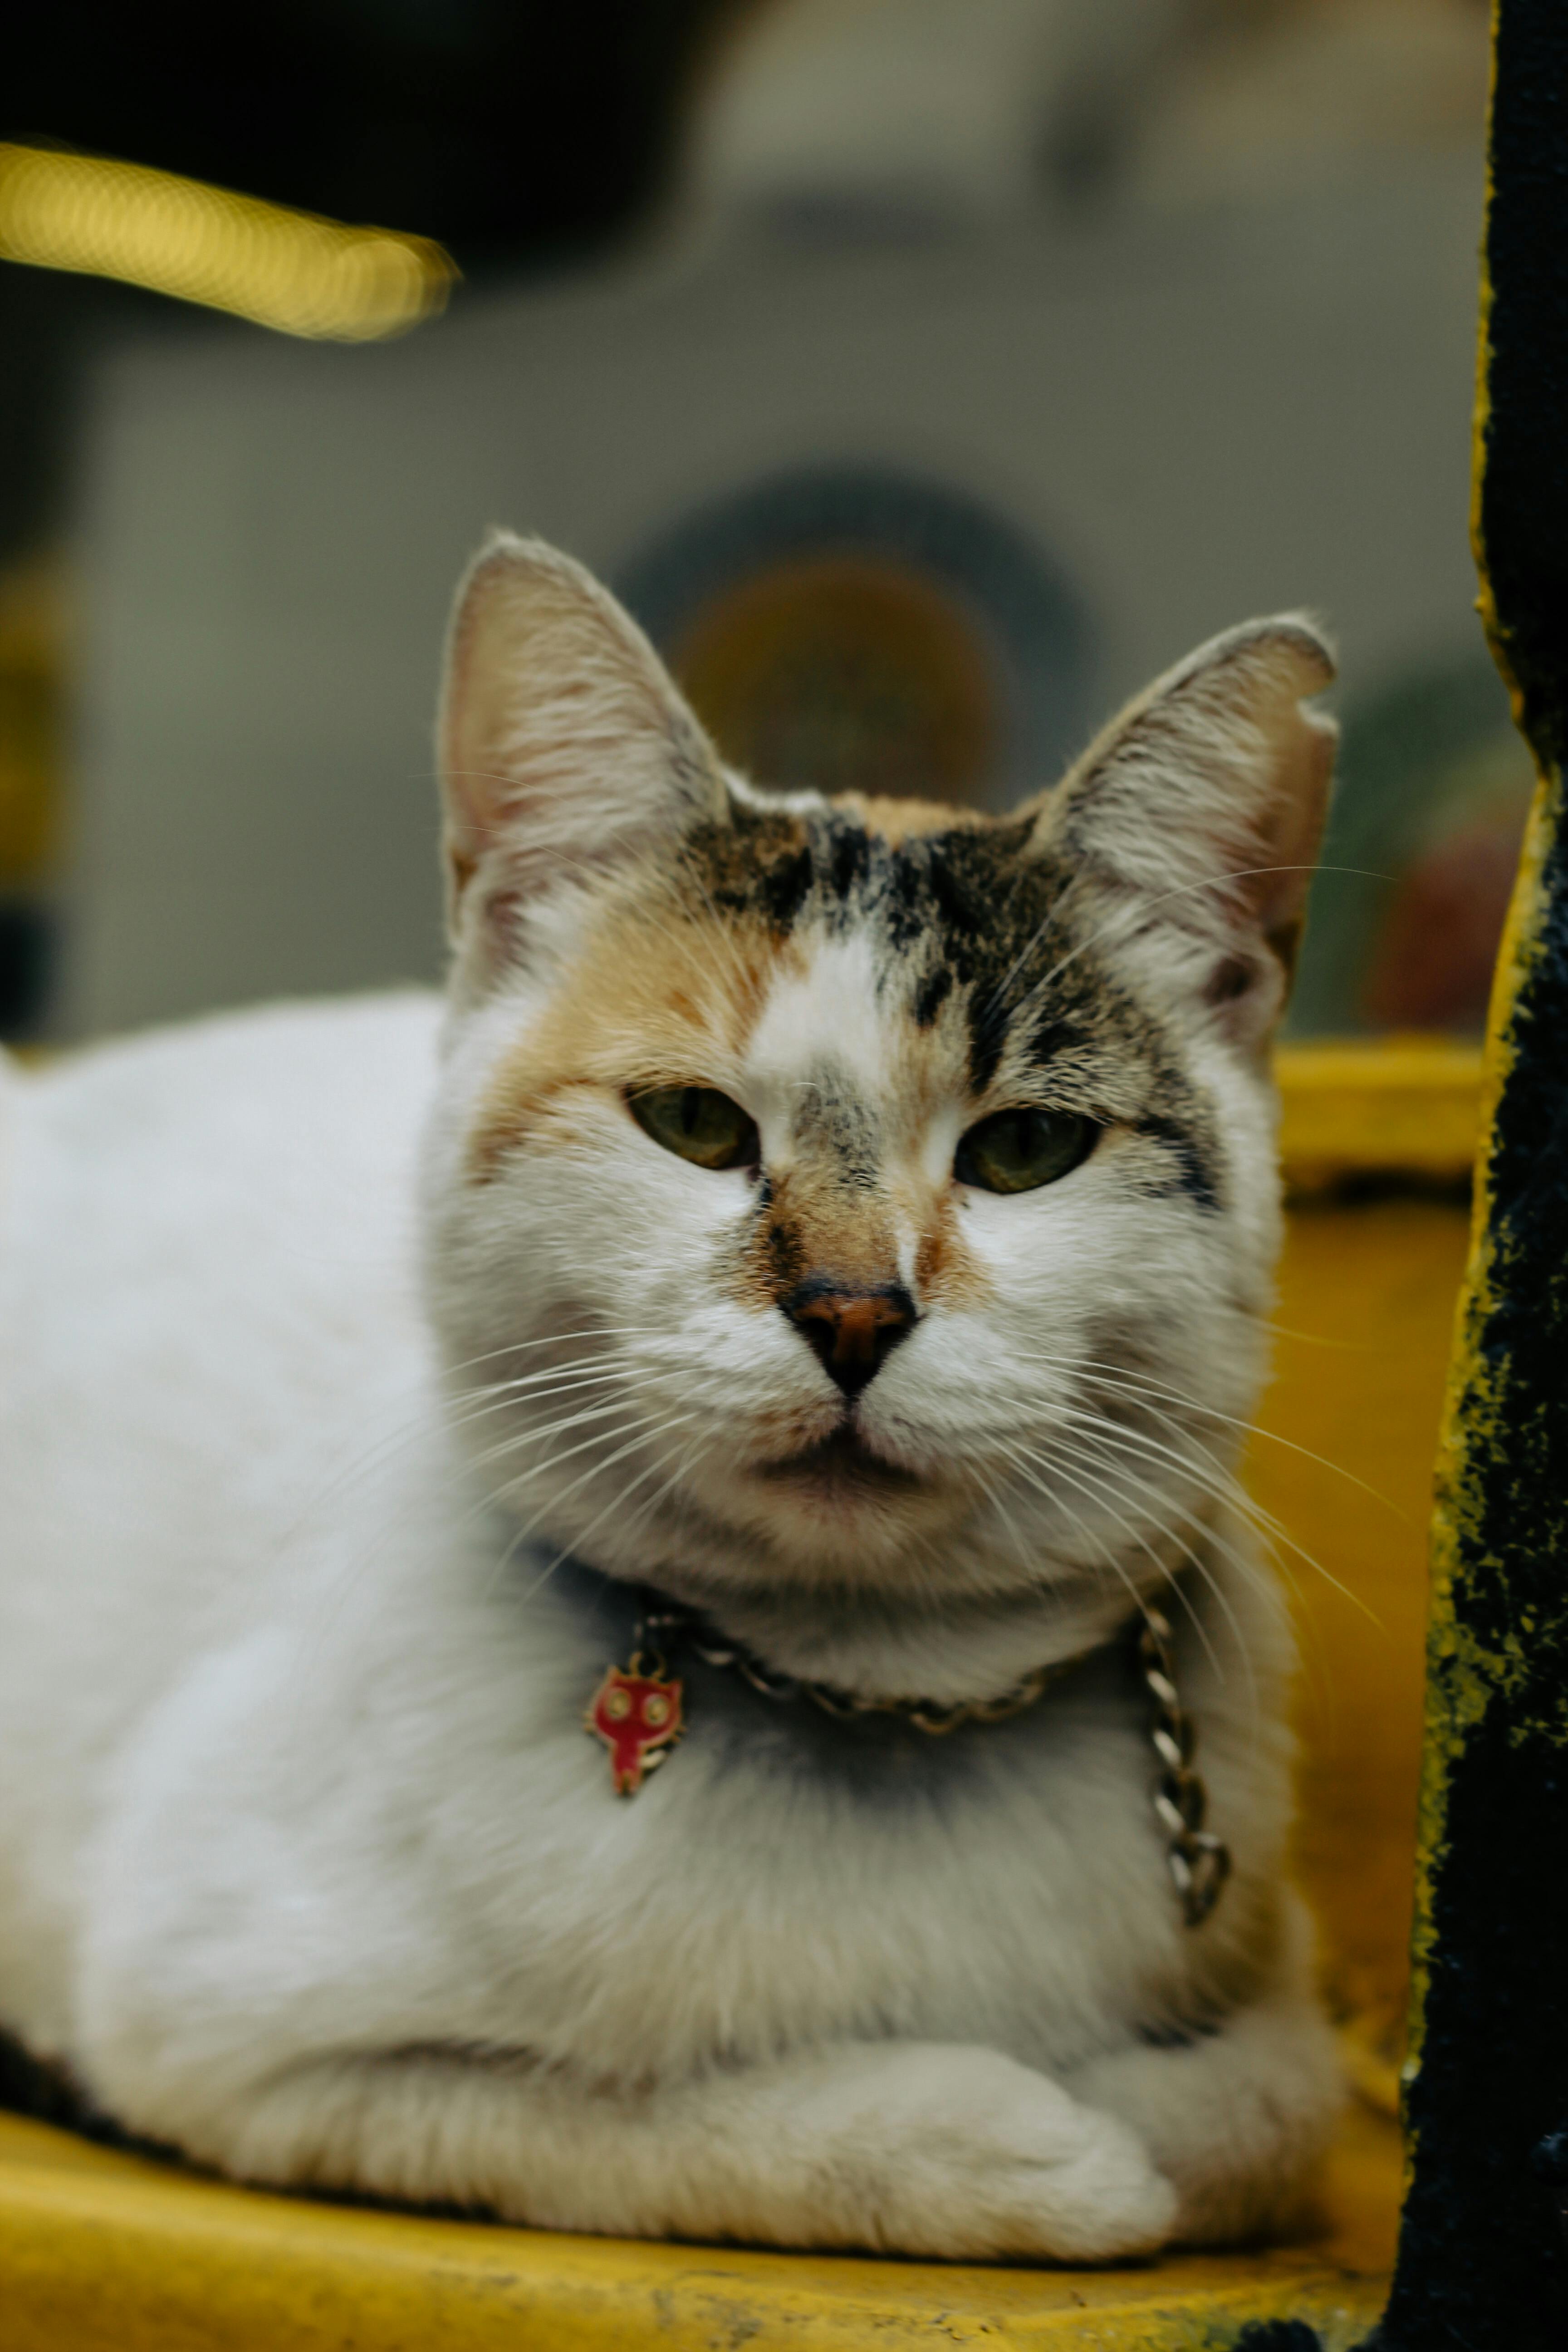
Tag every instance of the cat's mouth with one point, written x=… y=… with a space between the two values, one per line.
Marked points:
x=840 y=1465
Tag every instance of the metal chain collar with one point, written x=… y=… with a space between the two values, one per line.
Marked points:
x=1199 y=1862
x=930 y=1715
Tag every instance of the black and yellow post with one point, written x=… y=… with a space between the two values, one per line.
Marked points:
x=1483 y=2255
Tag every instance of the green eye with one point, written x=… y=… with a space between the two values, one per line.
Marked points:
x=1018 y=1150
x=698 y=1123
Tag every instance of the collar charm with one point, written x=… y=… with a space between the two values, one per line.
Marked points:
x=639 y=1718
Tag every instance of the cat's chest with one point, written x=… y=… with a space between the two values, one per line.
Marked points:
x=783 y=1876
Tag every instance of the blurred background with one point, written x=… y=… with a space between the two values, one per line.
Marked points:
x=926 y=374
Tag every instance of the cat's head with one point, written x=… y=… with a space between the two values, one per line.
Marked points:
x=860 y=1200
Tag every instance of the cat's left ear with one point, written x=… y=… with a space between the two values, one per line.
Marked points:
x=564 y=745
x=1202 y=805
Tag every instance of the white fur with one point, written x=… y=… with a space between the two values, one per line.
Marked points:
x=306 y=1863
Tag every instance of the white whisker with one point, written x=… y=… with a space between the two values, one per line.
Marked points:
x=1167 y=1575
x=1270 y=1528
x=597 y=1469
x=521 y=1438
x=557 y=1339
x=1134 y=1380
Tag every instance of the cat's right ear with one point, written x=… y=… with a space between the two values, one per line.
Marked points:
x=564 y=746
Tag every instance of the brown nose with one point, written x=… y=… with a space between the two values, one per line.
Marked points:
x=851 y=1332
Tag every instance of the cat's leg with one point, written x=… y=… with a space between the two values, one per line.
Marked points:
x=1236 y=2118
x=916 y=2147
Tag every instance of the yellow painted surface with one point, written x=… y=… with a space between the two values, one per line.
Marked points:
x=1400 y=1106
x=1367 y=1292
x=1366 y=1308
x=103 y=2252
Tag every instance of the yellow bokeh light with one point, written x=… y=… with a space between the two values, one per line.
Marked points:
x=287 y=270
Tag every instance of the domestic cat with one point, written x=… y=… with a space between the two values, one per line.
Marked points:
x=802 y=1289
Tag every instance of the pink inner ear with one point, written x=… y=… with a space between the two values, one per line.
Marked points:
x=475 y=794
x=1304 y=775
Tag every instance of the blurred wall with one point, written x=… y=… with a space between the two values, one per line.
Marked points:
x=1193 y=402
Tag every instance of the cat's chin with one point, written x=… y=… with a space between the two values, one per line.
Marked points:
x=836 y=1506
x=842 y=1467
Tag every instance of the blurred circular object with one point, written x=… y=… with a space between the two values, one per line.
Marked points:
x=859 y=631
x=1432 y=962
x=1407 y=906
x=847 y=673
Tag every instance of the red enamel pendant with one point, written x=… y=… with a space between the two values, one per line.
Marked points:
x=638 y=1717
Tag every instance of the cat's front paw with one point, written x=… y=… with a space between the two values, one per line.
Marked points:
x=981 y=2157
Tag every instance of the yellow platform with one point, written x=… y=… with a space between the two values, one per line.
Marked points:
x=104 y=2252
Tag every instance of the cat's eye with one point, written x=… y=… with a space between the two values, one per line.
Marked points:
x=1018 y=1150
x=698 y=1123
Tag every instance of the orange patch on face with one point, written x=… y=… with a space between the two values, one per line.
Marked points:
x=652 y=999
x=947 y=1272
x=899 y=820
x=813 y=1224
x=814 y=1227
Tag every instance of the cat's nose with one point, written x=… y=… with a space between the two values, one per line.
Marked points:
x=851 y=1332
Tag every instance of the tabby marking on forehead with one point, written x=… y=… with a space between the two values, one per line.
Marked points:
x=973 y=912
x=1003 y=989
x=958 y=902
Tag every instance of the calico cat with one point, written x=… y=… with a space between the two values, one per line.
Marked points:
x=800 y=1291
